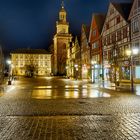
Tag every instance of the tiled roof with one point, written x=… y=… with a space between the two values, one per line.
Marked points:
x=99 y=18
x=30 y=51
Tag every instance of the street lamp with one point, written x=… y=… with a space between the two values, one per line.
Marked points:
x=130 y=53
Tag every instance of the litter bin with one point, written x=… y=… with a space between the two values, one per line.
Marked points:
x=9 y=82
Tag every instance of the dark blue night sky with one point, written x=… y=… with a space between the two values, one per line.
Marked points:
x=31 y=23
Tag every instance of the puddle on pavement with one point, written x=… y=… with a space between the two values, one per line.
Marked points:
x=67 y=93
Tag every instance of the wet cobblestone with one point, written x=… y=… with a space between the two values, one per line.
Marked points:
x=25 y=118
x=90 y=127
x=18 y=105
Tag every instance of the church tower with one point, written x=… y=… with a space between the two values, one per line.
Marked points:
x=61 y=40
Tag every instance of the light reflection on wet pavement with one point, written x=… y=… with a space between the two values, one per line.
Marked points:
x=66 y=92
x=1 y=92
x=80 y=111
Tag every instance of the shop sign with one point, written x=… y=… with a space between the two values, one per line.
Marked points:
x=126 y=63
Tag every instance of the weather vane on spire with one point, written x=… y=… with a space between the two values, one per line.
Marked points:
x=62 y=4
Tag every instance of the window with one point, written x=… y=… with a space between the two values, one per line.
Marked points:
x=105 y=54
x=125 y=32
x=108 y=40
x=109 y=54
x=135 y=26
x=104 y=41
x=95 y=45
x=118 y=20
x=107 y=26
x=136 y=45
x=119 y=35
x=21 y=64
x=113 y=37
x=41 y=57
x=122 y=51
x=94 y=32
x=16 y=63
x=21 y=56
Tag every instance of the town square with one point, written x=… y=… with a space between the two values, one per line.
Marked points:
x=70 y=70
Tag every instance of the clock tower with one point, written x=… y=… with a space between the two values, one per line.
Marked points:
x=61 y=40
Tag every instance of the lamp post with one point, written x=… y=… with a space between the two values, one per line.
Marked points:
x=76 y=71
x=9 y=71
x=93 y=71
x=130 y=53
x=67 y=71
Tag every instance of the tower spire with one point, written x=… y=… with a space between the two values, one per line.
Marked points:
x=62 y=4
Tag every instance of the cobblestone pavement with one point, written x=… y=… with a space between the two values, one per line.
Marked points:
x=27 y=117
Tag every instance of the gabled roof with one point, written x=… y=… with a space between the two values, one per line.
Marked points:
x=123 y=9
x=86 y=29
x=77 y=40
x=29 y=51
x=134 y=5
x=99 y=18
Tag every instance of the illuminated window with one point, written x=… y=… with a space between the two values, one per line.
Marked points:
x=137 y=45
x=95 y=45
x=21 y=56
x=41 y=57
